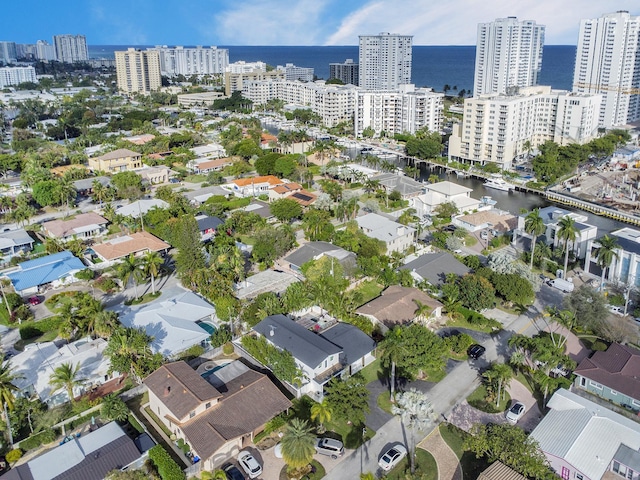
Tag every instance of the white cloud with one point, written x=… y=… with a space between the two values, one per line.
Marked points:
x=455 y=22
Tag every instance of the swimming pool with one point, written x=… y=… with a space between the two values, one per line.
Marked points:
x=207 y=327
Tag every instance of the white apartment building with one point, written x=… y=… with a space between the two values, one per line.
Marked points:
x=71 y=48
x=246 y=67
x=405 y=110
x=8 y=52
x=17 y=75
x=192 y=61
x=292 y=72
x=508 y=54
x=334 y=103
x=608 y=63
x=234 y=82
x=496 y=127
x=138 y=71
x=45 y=51
x=347 y=72
x=385 y=61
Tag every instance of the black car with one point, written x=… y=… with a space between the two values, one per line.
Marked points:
x=450 y=228
x=476 y=351
x=232 y=472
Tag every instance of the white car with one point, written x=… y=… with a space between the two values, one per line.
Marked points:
x=249 y=464
x=616 y=310
x=392 y=457
x=516 y=412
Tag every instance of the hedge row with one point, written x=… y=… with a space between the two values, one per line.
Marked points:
x=34 y=441
x=40 y=327
x=168 y=469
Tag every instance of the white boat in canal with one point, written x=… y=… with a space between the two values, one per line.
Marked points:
x=487 y=200
x=497 y=182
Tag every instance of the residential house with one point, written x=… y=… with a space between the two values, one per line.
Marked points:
x=54 y=270
x=15 y=242
x=399 y=305
x=263 y=282
x=120 y=160
x=88 y=457
x=198 y=197
x=135 y=244
x=203 y=166
x=317 y=356
x=12 y=186
x=260 y=208
x=427 y=203
x=396 y=237
x=140 y=139
x=499 y=471
x=434 y=268
x=208 y=226
x=84 y=186
x=211 y=150
x=175 y=324
x=82 y=226
x=493 y=219
x=216 y=415
x=316 y=250
x=551 y=217
x=141 y=207
x=406 y=186
x=583 y=440
x=154 y=175
x=613 y=375
x=284 y=190
x=35 y=364
x=303 y=197
x=625 y=267
x=253 y=186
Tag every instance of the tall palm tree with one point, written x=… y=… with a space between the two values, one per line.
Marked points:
x=567 y=232
x=393 y=349
x=129 y=269
x=105 y=323
x=422 y=310
x=99 y=191
x=321 y=412
x=534 y=226
x=66 y=376
x=605 y=254
x=151 y=263
x=499 y=375
x=7 y=386
x=415 y=412
x=298 y=444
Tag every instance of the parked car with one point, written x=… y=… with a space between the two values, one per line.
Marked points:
x=35 y=300
x=516 y=412
x=450 y=228
x=476 y=351
x=616 y=310
x=232 y=472
x=330 y=447
x=392 y=457
x=484 y=235
x=249 y=464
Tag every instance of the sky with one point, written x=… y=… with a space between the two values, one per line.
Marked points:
x=288 y=22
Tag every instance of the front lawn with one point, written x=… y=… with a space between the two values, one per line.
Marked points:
x=369 y=290
x=373 y=372
x=478 y=399
x=351 y=434
x=426 y=467
x=474 y=321
x=455 y=437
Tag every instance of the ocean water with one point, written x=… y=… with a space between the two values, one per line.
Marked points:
x=433 y=66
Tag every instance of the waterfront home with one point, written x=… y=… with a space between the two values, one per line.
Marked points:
x=406 y=186
x=51 y=270
x=82 y=226
x=434 y=268
x=399 y=305
x=436 y=194
x=625 y=267
x=396 y=237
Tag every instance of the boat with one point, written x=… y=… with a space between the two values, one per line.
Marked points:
x=497 y=182
x=487 y=200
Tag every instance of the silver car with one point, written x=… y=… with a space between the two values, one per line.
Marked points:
x=249 y=464
x=516 y=412
x=392 y=457
x=330 y=447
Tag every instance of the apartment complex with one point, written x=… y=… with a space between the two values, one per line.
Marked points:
x=17 y=75
x=192 y=61
x=407 y=109
x=138 y=71
x=608 y=63
x=234 y=82
x=508 y=54
x=385 y=61
x=8 y=52
x=45 y=51
x=495 y=128
x=334 y=103
x=292 y=72
x=71 y=48
x=347 y=72
x=246 y=67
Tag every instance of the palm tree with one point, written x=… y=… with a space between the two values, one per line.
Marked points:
x=129 y=269
x=393 y=349
x=105 y=323
x=66 y=376
x=322 y=413
x=151 y=263
x=298 y=444
x=499 y=374
x=534 y=226
x=7 y=387
x=415 y=412
x=605 y=254
x=99 y=191
x=567 y=232
x=528 y=147
x=422 y=311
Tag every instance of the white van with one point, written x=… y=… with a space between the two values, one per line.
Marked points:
x=561 y=284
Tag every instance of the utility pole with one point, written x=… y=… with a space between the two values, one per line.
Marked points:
x=6 y=417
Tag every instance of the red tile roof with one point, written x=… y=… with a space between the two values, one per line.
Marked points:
x=270 y=179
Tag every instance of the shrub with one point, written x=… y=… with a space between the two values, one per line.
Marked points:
x=192 y=352
x=39 y=328
x=34 y=441
x=14 y=455
x=168 y=469
x=106 y=284
x=599 y=345
x=221 y=336
x=228 y=348
x=617 y=300
x=85 y=274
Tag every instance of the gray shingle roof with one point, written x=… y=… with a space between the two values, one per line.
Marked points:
x=313 y=250
x=306 y=346
x=629 y=457
x=353 y=341
x=434 y=267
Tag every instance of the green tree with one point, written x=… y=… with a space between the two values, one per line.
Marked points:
x=498 y=376
x=129 y=269
x=393 y=349
x=605 y=253
x=66 y=376
x=114 y=408
x=534 y=226
x=567 y=232
x=7 y=386
x=186 y=238
x=321 y=411
x=298 y=444
x=588 y=305
x=476 y=292
x=286 y=209
x=446 y=210
x=317 y=225
x=271 y=243
x=349 y=397
x=415 y=411
x=129 y=351
x=151 y=263
x=127 y=184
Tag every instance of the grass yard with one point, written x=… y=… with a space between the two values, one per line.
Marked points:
x=195 y=178
x=426 y=467
x=373 y=372
x=351 y=434
x=369 y=290
x=478 y=399
x=488 y=326
x=316 y=475
x=384 y=402
x=455 y=437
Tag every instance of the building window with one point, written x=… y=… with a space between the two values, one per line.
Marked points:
x=579 y=476
x=595 y=385
x=207 y=405
x=192 y=414
x=613 y=392
x=583 y=382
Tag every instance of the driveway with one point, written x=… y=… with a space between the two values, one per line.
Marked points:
x=272 y=466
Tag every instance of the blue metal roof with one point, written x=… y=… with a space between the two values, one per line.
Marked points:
x=44 y=270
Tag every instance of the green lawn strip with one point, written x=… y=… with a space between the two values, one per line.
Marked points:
x=384 y=402
x=426 y=467
x=478 y=400
x=351 y=434
x=455 y=437
x=433 y=375
x=463 y=323
x=373 y=372
x=369 y=290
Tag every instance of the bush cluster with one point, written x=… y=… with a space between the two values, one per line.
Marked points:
x=39 y=328
x=34 y=441
x=168 y=469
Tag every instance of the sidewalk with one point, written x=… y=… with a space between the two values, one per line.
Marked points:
x=448 y=463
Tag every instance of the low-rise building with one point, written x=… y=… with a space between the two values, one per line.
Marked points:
x=136 y=244
x=316 y=250
x=120 y=160
x=625 y=266
x=202 y=99
x=201 y=195
x=399 y=305
x=263 y=282
x=208 y=226
x=396 y=237
x=392 y=182
x=154 y=175
x=204 y=166
x=434 y=268
x=493 y=219
x=15 y=242
x=82 y=226
x=436 y=194
x=141 y=207
x=54 y=270
x=253 y=186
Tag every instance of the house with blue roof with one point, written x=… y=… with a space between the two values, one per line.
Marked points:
x=55 y=270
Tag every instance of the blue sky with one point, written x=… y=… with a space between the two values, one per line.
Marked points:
x=286 y=22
